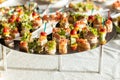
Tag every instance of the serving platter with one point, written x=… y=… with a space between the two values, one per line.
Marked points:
x=48 y=32
x=109 y=36
x=17 y=42
x=15 y=20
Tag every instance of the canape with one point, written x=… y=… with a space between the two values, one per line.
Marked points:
x=102 y=35
x=50 y=47
x=63 y=46
x=73 y=39
x=116 y=5
x=109 y=25
x=83 y=45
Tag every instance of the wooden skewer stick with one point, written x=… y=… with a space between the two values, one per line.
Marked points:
x=45 y=26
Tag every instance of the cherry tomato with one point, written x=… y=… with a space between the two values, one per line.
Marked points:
x=76 y=26
x=5 y=29
x=74 y=48
x=13 y=17
x=18 y=19
x=102 y=30
x=73 y=32
x=43 y=34
x=10 y=20
x=19 y=10
x=34 y=14
x=110 y=18
x=91 y=17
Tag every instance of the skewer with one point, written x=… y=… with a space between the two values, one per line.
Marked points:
x=45 y=26
x=92 y=11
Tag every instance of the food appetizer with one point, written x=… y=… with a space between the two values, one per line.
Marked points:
x=83 y=6
x=100 y=1
x=91 y=34
x=82 y=33
x=50 y=47
x=26 y=38
x=17 y=20
x=73 y=39
x=79 y=25
x=102 y=33
x=116 y=5
x=116 y=22
x=49 y=1
x=58 y=16
x=43 y=38
x=83 y=45
x=109 y=25
x=97 y=21
x=73 y=32
x=24 y=46
x=63 y=46
x=60 y=33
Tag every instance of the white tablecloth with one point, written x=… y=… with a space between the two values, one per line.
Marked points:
x=23 y=66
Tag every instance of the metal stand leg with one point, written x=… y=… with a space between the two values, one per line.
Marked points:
x=99 y=64
x=59 y=63
x=100 y=60
x=4 y=57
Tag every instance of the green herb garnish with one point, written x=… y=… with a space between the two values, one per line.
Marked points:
x=62 y=32
x=51 y=45
x=94 y=30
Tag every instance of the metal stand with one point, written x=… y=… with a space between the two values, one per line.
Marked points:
x=99 y=64
x=5 y=52
x=99 y=71
x=4 y=61
x=59 y=63
x=100 y=60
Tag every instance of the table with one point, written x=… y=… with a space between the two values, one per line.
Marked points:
x=32 y=67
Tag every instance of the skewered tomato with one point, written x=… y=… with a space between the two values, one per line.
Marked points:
x=74 y=47
x=18 y=19
x=76 y=26
x=91 y=18
x=12 y=19
x=5 y=29
x=13 y=16
x=102 y=30
x=34 y=14
x=43 y=34
x=73 y=32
